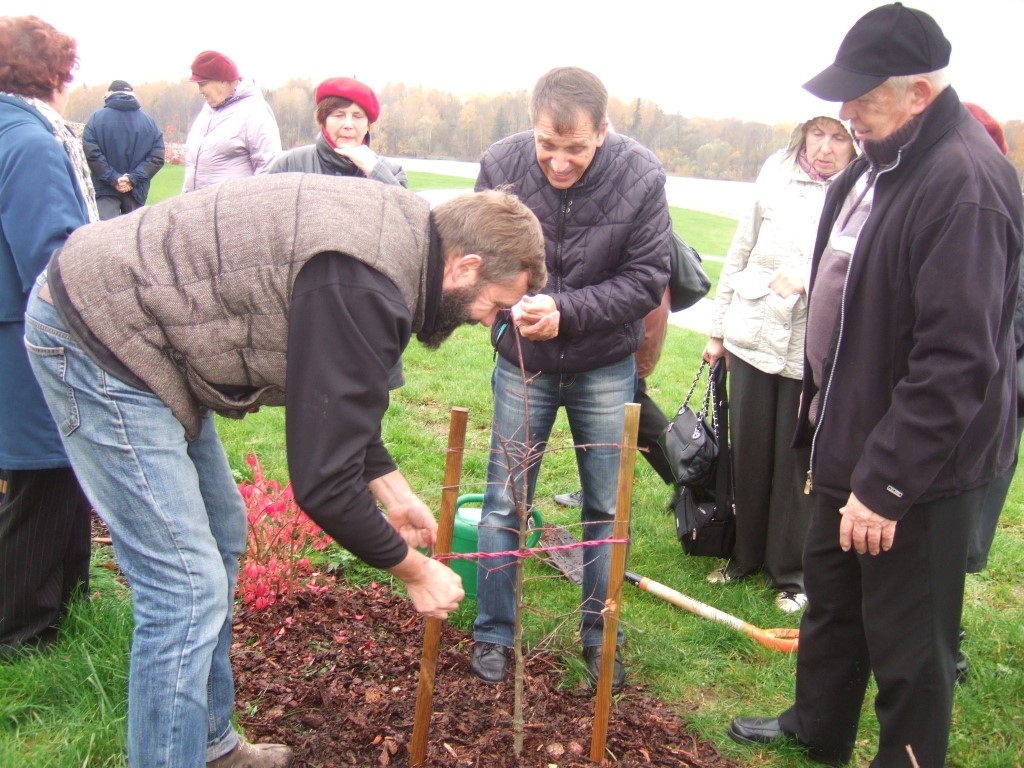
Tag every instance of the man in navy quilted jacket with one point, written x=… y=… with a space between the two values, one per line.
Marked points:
x=600 y=199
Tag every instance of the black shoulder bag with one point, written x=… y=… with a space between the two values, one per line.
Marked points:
x=706 y=514
x=689 y=442
x=688 y=283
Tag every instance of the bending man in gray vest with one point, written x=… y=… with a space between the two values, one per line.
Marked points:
x=143 y=326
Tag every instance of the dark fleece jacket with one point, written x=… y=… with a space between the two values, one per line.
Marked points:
x=918 y=394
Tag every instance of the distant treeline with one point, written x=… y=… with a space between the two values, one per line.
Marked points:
x=429 y=123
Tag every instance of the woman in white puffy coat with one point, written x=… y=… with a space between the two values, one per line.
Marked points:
x=758 y=324
x=235 y=135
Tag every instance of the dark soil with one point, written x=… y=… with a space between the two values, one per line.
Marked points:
x=334 y=675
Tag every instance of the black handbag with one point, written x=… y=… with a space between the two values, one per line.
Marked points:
x=689 y=442
x=706 y=515
x=688 y=283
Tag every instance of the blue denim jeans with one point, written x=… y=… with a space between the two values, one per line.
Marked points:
x=594 y=405
x=178 y=524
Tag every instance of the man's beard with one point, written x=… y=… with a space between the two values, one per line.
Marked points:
x=453 y=312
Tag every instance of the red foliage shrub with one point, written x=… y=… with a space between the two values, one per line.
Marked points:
x=280 y=536
x=174 y=154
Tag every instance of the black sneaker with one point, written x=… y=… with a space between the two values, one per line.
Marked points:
x=490 y=662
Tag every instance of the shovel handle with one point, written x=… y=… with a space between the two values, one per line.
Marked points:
x=785 y=640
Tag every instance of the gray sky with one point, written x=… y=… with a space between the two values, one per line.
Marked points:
x=713 y=58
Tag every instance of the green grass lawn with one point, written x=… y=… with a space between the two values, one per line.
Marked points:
x=712 y=673
x=167 y=183
x=67 y=708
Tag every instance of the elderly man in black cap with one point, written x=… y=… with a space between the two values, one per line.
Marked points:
x=125 y=149
x=908 y=398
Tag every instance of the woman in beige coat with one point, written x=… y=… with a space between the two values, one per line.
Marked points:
x=758 y=324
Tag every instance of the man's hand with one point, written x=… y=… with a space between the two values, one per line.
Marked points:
x=863 y=529
x=406 y=511
x=536 y=317
x=124 y=184
x=434 y=589
x=414 y=522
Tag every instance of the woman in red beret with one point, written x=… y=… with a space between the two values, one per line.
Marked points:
x=345 y=110
x=235 y=135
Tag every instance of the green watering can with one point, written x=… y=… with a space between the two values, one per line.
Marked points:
x=464 y=538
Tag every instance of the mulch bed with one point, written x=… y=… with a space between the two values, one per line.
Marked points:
x=334 y=675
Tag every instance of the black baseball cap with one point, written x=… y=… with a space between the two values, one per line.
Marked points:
x=119 y=85
x=888 y=41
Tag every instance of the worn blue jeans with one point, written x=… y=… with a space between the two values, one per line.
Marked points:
x=594 y=405
x=179 y=526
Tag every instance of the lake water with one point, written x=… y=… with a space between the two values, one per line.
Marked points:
x=726 y=198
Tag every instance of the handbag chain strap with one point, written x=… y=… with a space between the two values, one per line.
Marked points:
x=709 y=401
x=696 y=380
x=709 y=397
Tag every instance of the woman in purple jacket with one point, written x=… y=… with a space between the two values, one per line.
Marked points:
x=235 y=135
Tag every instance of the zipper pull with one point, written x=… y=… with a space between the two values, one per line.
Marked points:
x=808 y=485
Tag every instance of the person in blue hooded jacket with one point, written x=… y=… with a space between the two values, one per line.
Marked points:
x=125 y=149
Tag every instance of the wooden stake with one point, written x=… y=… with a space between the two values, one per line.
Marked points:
x=613 y=601
x=443 y=546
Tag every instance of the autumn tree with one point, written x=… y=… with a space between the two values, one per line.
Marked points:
x=293 y=106
x=432 y=123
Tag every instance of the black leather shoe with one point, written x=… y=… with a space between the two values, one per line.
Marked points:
x=766 y=730
x=756 y=730
x=592 y=655
x=490 y=662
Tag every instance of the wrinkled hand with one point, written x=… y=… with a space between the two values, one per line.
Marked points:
x=360 y=154
x=864 y=530
x=124 y=185
x=785 y=284
x=714 y=351
x=434 y=589
x=536 y=317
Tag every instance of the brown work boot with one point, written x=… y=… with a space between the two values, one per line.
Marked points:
x=246 y=755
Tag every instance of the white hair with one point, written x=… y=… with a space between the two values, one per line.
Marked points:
x=939 y=80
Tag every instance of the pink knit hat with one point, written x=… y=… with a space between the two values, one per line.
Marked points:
x=210 y=65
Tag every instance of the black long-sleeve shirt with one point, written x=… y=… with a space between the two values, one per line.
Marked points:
x=347 y=326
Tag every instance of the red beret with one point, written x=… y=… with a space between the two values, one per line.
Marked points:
x=353 y=90
x=210 y=65
x=995 y=130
